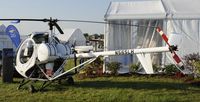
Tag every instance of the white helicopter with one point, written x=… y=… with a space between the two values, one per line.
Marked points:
x=42 y=57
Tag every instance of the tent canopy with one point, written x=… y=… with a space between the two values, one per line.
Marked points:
x=2 y=28
x=180 y=18
x=154 y=9
x=182 y=9
x=72 y=36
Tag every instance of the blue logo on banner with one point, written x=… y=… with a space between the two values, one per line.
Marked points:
x=13 y=33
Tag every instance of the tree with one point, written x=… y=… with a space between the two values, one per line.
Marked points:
x=96 y=36
x=101 y=36
x=86 y=35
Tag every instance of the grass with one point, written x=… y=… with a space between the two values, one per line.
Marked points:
x=107 y=89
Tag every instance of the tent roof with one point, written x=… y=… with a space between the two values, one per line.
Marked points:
x=182 y=9
x=136 y=9
x=2 y=28
x=154 y=9
x=72 y=36
x=68 y=34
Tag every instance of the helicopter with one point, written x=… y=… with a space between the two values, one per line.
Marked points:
x=41 y=57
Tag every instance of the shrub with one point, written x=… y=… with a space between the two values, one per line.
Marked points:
x=97 y=63
x=156 y=68
x=113 y=67
x=97 y=66
x=170 y=69
x=94 y=69
x=192 y=62
x=196 y=65
x=134 y=67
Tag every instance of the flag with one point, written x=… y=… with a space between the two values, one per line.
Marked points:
x=13 y=33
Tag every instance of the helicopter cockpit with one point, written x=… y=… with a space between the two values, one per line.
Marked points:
x=27 y=49
x=40 y=37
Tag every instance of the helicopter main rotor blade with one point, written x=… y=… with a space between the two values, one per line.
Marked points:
x=83 y=21
x=52 y=22
x=58 y=27
x=86 y=21
x=43 y=20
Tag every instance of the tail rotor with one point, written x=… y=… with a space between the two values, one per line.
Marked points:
x=172 y=48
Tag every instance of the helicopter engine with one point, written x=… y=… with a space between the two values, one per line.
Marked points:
x=49 y=52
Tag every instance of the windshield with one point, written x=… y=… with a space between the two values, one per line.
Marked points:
x=39 y=38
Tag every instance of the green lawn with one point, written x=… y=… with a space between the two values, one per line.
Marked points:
x=108 y=89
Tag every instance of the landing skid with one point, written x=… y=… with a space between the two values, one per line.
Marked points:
x=38 y=74
x=45 y=83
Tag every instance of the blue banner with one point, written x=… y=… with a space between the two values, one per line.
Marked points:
x=13 y=33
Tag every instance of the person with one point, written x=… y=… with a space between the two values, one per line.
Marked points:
x=49 y=69
x=26 y=53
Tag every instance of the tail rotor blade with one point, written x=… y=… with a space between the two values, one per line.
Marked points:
x=163 y=35
x=178 y=61
x=176 y=58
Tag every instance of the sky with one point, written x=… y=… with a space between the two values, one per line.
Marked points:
x=60 y=9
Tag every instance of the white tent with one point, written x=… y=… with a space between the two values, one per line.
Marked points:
x=180 y=17
x=73 y=36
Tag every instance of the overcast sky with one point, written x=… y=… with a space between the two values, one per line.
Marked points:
x=60 y=9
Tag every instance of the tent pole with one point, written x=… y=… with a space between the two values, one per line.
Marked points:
x=146 y=34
